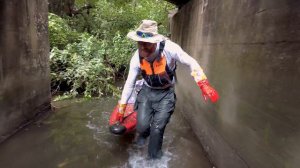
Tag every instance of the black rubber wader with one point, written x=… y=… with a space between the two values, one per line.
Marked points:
x=154 y=108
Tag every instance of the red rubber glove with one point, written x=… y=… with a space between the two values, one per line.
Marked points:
x=121 y=112
x=208 y=91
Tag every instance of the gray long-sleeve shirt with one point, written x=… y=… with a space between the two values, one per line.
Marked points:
x=173 y=53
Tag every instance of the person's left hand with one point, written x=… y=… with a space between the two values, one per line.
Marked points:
x=208 y=91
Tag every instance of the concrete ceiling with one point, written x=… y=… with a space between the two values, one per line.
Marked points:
x=178 y=2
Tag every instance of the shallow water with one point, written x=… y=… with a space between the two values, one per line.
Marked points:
x=76 y=135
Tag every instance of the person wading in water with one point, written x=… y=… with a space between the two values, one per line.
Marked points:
x=156 y=59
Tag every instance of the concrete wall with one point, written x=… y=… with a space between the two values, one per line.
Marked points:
x=24 y=67
x=250 y=51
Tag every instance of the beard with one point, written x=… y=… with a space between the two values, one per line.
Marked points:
x=146 y=52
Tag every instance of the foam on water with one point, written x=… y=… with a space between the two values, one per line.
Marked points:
x=138 y=158
x=100 y=129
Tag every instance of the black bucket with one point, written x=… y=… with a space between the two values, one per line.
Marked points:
x=117 y=129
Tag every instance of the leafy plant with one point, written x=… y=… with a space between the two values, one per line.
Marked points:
x=60 y=33
x=81 y=66
x=90 y=51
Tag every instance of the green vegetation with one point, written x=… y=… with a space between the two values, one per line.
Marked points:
x=90 y=51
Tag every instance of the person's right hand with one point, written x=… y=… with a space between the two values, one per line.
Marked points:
x=121 y=112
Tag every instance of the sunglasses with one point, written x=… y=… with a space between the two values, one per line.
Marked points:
x=144 y=35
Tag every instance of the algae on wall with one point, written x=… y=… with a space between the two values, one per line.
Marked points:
x=250 y=53
x=24 y=67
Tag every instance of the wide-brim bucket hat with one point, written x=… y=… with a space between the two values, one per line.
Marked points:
x=146 y=32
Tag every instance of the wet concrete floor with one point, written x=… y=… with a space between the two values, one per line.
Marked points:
x=76 y=135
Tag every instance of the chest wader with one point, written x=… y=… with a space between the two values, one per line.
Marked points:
x=154 y=109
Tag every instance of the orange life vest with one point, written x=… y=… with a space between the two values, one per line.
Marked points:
x=157 y=73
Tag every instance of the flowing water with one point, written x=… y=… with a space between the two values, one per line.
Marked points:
x=76 y=136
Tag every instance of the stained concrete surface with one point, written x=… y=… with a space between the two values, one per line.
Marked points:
x=250 y=53
x=24 y=64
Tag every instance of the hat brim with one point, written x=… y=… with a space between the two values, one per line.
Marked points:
x=155 y=39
